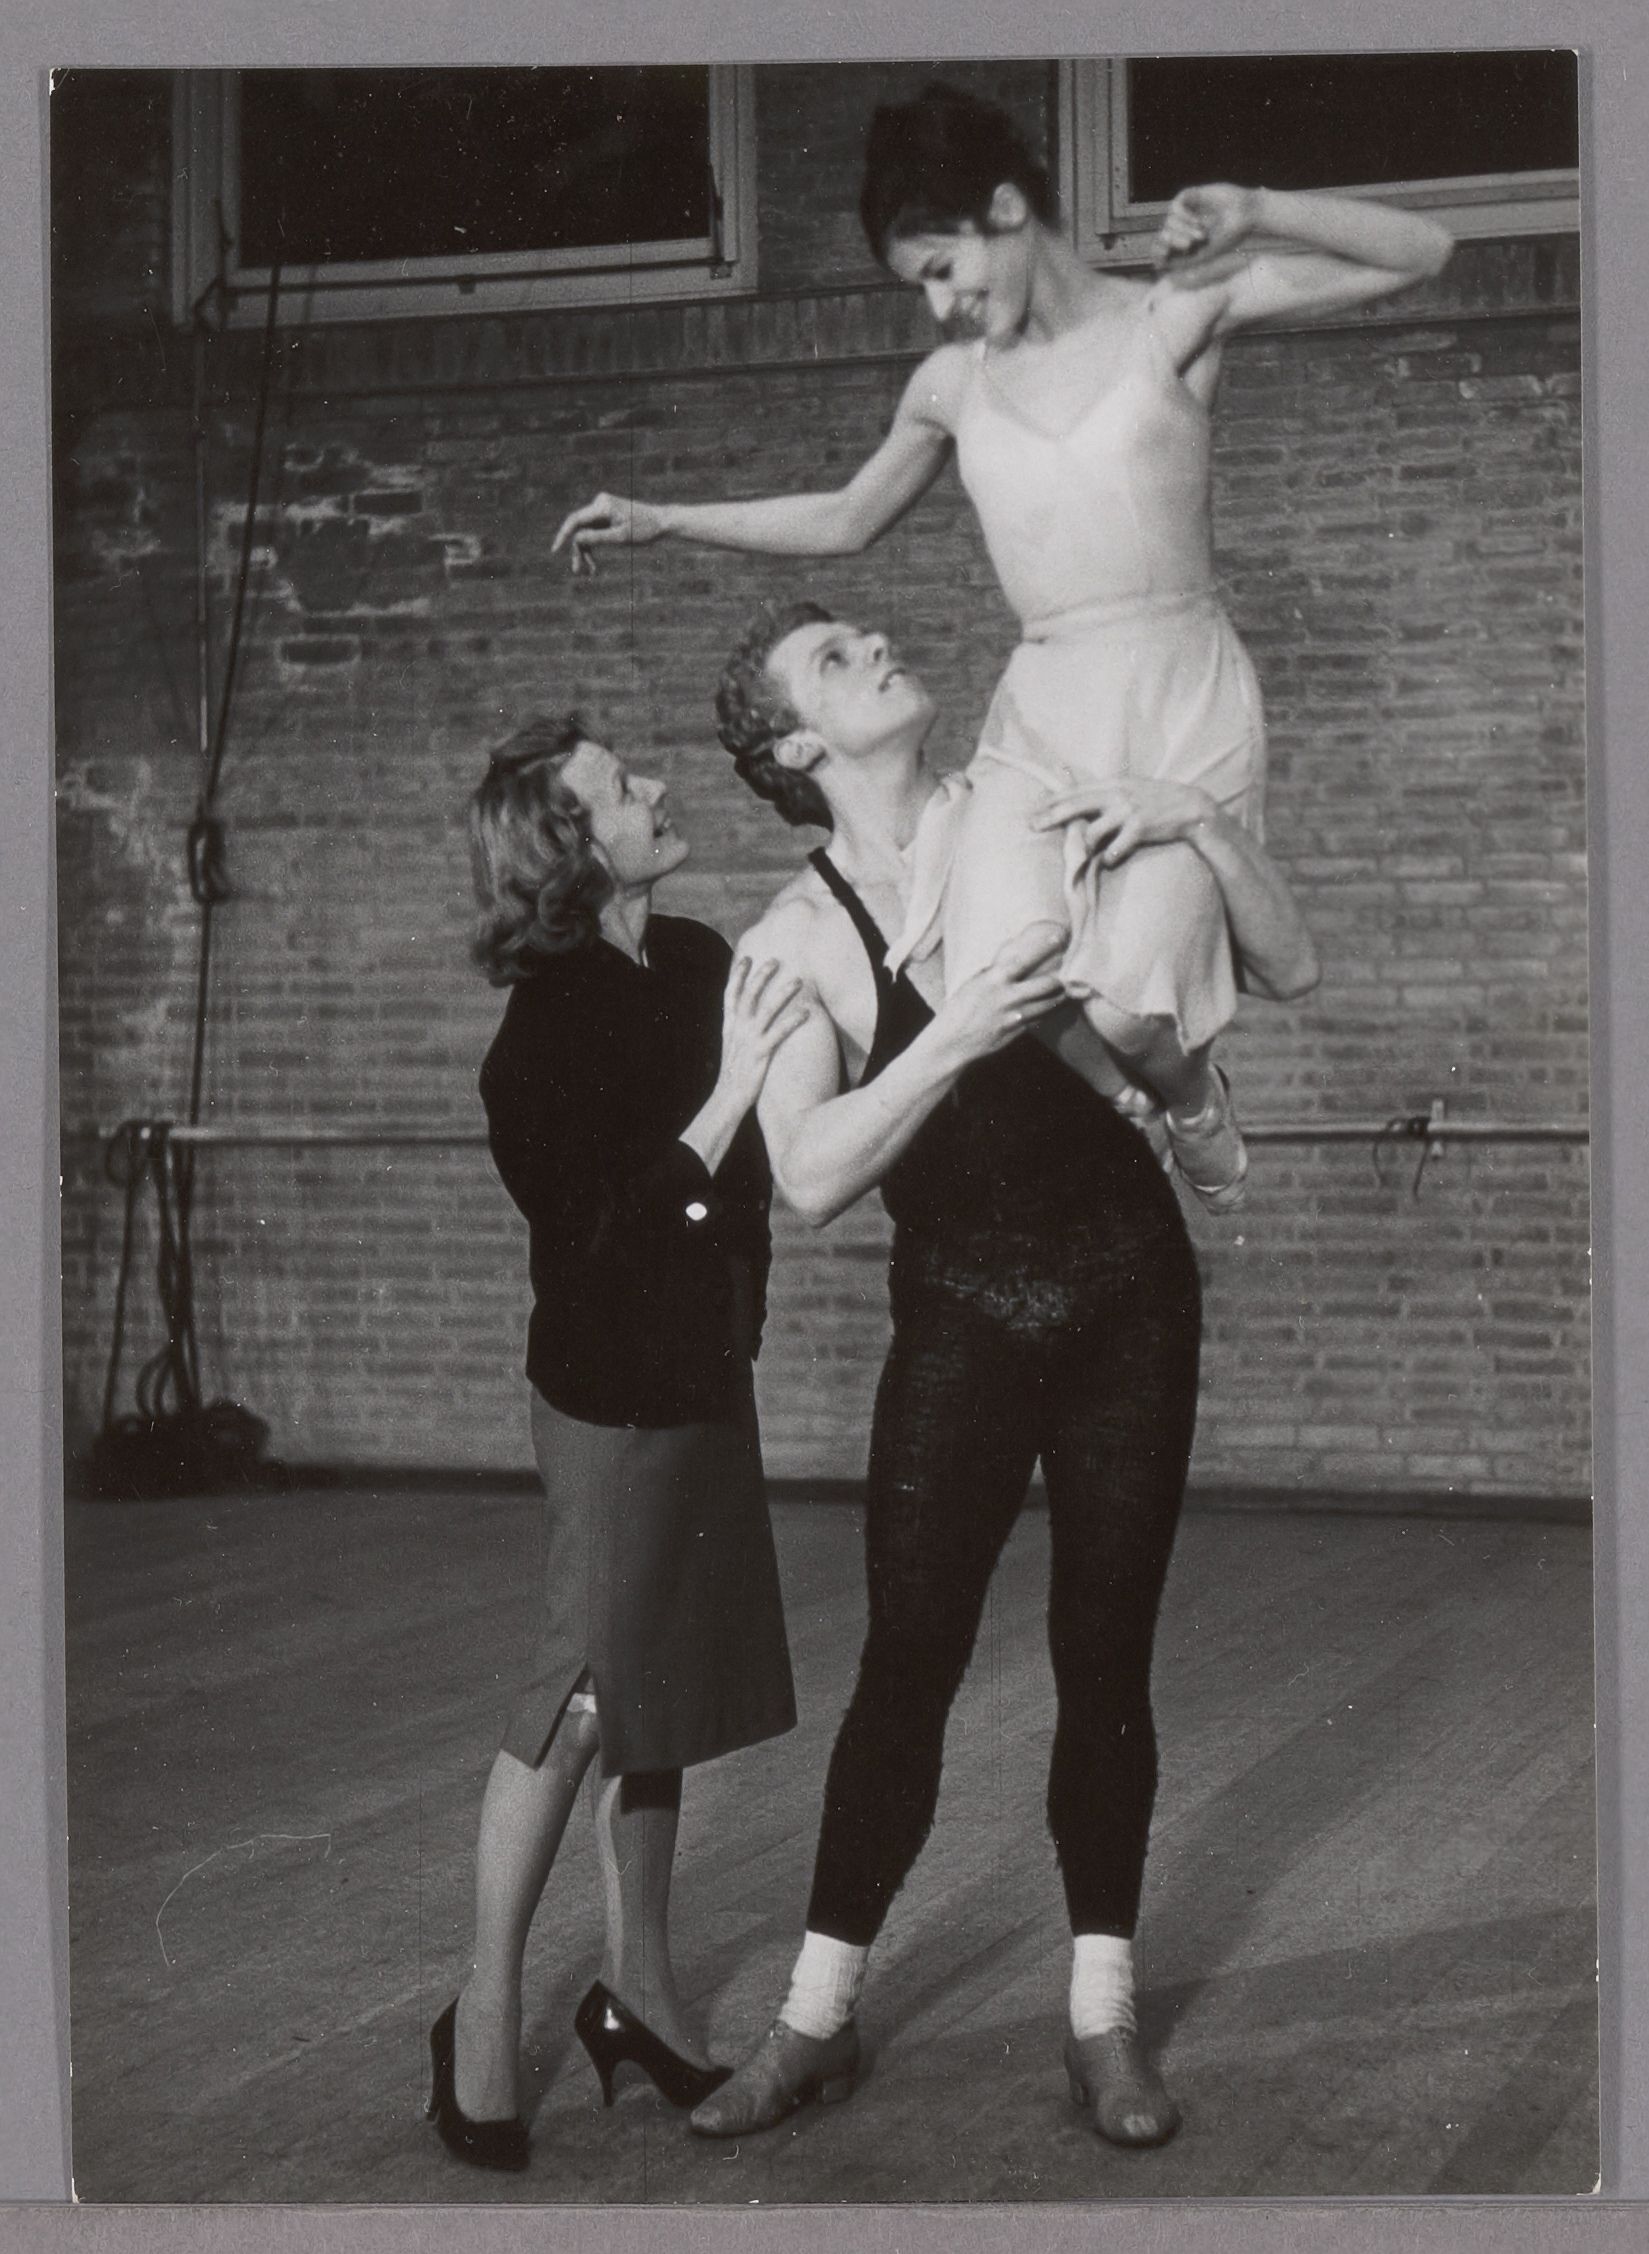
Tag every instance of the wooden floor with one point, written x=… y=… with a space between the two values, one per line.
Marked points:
x=1368 y=1944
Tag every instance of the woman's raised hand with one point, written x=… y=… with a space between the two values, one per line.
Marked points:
x=609 y=521
x=761 y=1008
x=1121 y=814
x=1202 y=228
x=1019 y=985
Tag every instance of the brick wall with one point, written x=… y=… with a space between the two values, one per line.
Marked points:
x=1399 y=528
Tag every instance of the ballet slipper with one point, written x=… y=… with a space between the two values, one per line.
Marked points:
x=1210 y=1150
x=1111 y=2077
x=786 y=2070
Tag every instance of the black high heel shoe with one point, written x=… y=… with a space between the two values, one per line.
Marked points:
x=612 y=2034
x=484 y=2144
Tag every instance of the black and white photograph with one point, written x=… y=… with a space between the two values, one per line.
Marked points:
x=822 y=954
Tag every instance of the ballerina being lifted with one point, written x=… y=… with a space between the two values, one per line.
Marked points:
x=1078 y=405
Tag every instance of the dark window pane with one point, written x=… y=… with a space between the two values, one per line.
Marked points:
x=391 y=164
x=1347 y=121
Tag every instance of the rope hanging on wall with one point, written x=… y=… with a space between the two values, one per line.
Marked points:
x=173 y=1443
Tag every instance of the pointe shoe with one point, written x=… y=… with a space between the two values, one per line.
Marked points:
x=612 y=2034
x=1209 y=1149
x=1111 y=2077
x=484 y=2144
x=784 y=2071
x=1142 y=1110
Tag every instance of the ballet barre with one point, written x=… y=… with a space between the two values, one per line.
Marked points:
x=1433 y=1125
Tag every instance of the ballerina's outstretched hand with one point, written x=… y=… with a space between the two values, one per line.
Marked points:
x=609 y=521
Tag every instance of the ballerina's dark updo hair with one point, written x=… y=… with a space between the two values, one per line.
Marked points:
x=752 y=715
x=539 y=882
x=933 y=164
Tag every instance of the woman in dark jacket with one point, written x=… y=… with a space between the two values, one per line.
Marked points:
x=618 y=1094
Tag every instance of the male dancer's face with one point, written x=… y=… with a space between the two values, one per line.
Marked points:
x=847 y=687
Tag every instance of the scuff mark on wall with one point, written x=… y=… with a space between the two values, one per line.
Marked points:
x=143 y=834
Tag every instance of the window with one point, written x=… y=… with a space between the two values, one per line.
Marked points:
x=387 y=193
x=1489 y=141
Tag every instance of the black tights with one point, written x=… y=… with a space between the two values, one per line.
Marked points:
x=1006 y=1351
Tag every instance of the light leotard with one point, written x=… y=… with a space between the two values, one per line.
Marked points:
x=1100 y=535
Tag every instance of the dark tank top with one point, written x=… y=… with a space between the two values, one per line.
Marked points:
x=1020 y=1143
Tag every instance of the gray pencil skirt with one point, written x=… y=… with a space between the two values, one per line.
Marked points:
x=661 y=1593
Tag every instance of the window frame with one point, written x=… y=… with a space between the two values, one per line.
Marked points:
x=1109 y=229
x=205 y=128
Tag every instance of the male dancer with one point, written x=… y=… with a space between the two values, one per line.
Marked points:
x=1045 y=1308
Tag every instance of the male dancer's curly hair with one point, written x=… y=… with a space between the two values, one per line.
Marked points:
x=752 y=715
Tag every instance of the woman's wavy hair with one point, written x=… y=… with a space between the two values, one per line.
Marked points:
x=933 y=164
x=753 y=714
x=539 y=882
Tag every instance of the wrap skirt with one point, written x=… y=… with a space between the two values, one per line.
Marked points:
x=1159 y=688
x=661 y=1592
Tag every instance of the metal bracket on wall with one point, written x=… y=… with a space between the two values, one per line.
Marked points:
x=1425 y=1129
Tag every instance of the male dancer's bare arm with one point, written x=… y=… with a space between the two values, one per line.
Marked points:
x=829 y=1145
x=1273 y=946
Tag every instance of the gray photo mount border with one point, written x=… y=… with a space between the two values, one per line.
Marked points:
x=1613 y=37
